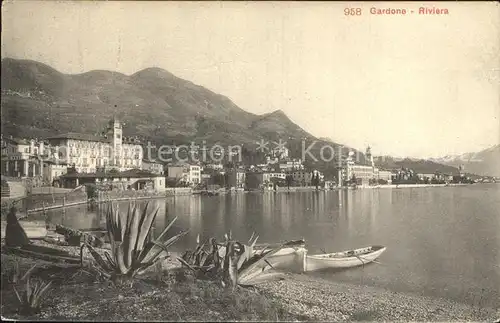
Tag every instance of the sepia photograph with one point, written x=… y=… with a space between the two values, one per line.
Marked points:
x=250 y=161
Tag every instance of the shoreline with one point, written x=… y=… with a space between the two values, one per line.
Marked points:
x=325 y=300
x=301 y=297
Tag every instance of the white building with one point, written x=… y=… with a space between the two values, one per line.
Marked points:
x=365 y=173
x=268 y=175
x=153 y=166
x=385 y=175
x=280 y=152
x=88 y=153
x=52 y=171
x=218 y=166
x=291 y=165
x=194 y=174
x=21 y=157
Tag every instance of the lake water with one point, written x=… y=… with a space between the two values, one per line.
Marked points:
x=441 y=241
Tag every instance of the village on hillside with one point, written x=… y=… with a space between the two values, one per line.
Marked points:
x=115 y=162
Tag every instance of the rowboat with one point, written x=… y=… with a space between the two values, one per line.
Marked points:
x=344 y=259
x=43 y=253
x=290 y=257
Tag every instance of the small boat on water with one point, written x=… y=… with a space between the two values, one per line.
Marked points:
x=344 y=259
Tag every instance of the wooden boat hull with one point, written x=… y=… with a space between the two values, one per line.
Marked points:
x=44 y=253
x=33 y=229
x=290 y=258
x=345 y=259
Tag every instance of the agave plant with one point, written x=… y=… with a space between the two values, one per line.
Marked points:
x=32 y=298
x=15 y=276
x=244 y=267
x=133 y=250
x=237 y=264
x=202 y=262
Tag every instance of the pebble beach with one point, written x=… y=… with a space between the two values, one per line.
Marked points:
x=318 y=299
x=324 y=300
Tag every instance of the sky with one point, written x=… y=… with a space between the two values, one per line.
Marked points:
x=412 y=85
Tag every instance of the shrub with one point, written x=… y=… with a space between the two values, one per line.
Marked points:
x=235 y=263
x=132 y=249
x=31 y=300
x=33 y=296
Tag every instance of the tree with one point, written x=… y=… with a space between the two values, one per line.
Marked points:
x=289 y=180
x=316 y=182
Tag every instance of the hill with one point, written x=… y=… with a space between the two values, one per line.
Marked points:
x=421 y=166
x=154 y=105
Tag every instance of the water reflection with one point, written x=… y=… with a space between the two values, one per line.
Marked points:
x=441 y=241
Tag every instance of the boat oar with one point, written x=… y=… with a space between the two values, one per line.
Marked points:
x=361 y=258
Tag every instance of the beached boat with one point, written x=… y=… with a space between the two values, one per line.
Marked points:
x=43 y=253
x=290 y=257
x=344 y=259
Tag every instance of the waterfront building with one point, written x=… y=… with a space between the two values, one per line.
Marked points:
x=267 y=176
x=291 y=165
x=259 y=179
x=301 y=177
x=328 y=184
x=153 y=166
x=133 y=179
x=52 y=170
x=185 y=173
x=384 y=175
x=87 y=153
x=423 y=176
x=214 y=166
x=194 y=172
x=22 y=157
x=236 y=178
x=320 y=174
x=365 y=172
x=177 y=172
x=206 y=177
x=362 y=173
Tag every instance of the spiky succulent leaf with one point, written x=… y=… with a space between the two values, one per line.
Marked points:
x=249 y=269
x=232 y=269
x=146 y=226
x=26 y=275
x=185 y=263
x=261 y=278
x=19 y=298
x=112 y=263
x=133 y=233
x=120 y=260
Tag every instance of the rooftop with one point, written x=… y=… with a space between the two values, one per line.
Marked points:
x=17 y=141
x=133 y=173
x=79 y=136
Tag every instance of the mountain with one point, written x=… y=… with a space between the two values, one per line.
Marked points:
x=485 y=162
x=154 y=104
x=420 y=166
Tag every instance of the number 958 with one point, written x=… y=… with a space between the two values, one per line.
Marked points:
x=352 y=11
